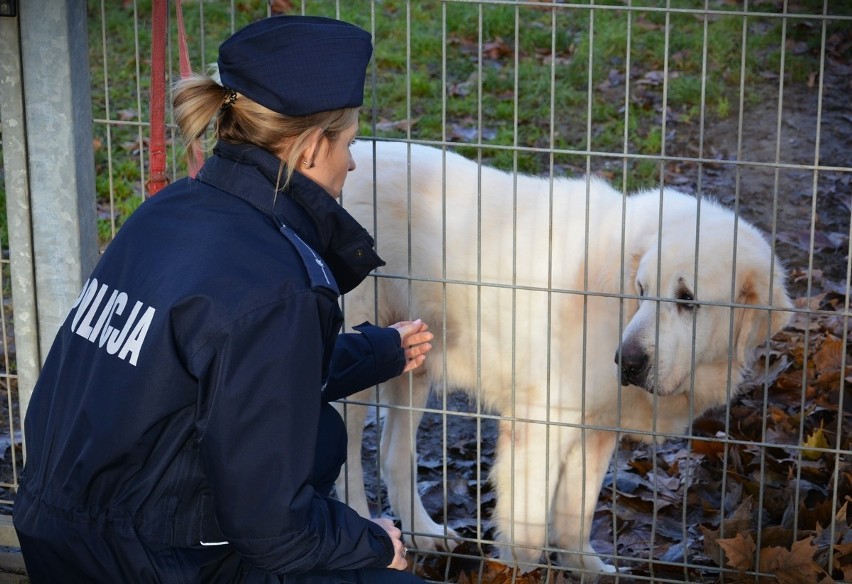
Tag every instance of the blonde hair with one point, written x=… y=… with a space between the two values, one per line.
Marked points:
x=198 y=99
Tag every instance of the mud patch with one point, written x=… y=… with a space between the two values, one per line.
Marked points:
x=790 y=174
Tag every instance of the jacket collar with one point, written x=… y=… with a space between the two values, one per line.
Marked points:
x=252 y=173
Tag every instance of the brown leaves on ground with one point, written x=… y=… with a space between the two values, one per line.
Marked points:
x=794 y=566
x=477 y=569
x=800 y=562
x=793 y=457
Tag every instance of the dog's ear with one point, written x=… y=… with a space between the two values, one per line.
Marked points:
x=631 y=268
x=752 y=326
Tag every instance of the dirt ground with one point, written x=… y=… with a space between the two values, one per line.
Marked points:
x=807 y=210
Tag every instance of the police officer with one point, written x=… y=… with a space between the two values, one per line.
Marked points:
x=180 y=430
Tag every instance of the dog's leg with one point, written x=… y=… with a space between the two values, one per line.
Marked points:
x=350 y=481
x=399 y=461
x=579 y=487
x=525 y=478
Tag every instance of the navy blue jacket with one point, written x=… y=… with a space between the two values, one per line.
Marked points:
x=181 y=395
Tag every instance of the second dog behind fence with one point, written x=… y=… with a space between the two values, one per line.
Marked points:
x=577 y=314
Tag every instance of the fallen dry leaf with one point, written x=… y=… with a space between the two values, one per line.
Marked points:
x=739 y=551
x=816 y=439
x=793 y=566
x=829 y=357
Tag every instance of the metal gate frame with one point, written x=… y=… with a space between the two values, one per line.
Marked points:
x=45 y=109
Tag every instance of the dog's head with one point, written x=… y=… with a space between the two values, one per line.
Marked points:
x=705 y=303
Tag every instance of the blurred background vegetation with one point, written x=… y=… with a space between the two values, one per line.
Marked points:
x=538 y=87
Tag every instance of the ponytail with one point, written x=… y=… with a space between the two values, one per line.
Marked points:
x=199 y=99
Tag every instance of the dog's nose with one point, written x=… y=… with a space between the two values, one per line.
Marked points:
x=634 y=364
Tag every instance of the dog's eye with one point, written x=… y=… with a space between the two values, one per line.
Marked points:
x=686 y=301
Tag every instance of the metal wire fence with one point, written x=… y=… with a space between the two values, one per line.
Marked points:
x=744 y=101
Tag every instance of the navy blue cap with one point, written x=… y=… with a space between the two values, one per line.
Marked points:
x=297 y=65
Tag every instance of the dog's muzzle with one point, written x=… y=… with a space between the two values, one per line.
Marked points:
x=634 y=364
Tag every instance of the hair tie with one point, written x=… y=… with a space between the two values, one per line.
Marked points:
x=230 y=98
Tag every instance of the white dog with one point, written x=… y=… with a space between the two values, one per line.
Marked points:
x=576 y=313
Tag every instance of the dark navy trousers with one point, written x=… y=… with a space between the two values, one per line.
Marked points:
x=102 y=552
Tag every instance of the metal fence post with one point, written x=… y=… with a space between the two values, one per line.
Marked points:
x=57 y=102
x=59 y=172
x=18 y=210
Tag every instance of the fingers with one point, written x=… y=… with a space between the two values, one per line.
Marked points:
x=407 y=328
x=417 y=349
x=399 y=552
x=415 y=338
x=414 y=363
x=415 y=356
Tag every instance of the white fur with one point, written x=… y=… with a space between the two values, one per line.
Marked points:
x=530 y=287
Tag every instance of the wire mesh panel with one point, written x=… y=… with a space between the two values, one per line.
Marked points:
x=11 y=435
x=120 y=63
x=498 y=140
x=10 y=426
x=741 y=102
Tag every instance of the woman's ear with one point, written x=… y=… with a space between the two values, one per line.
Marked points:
x=309 y=156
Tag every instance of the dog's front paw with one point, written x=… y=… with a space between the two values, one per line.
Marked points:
x=587 y=562
x=608 y=569
x=438 y=539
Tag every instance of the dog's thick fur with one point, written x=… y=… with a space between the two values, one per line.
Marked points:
x=536 y=290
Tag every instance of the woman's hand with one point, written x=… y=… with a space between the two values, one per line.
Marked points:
x=399 y=552
x=415 y=340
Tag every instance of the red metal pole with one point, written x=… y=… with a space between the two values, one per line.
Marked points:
x=157 y=178
x=196 y=159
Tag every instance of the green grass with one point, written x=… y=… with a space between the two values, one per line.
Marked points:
x=540 y=77
x=539 y=88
